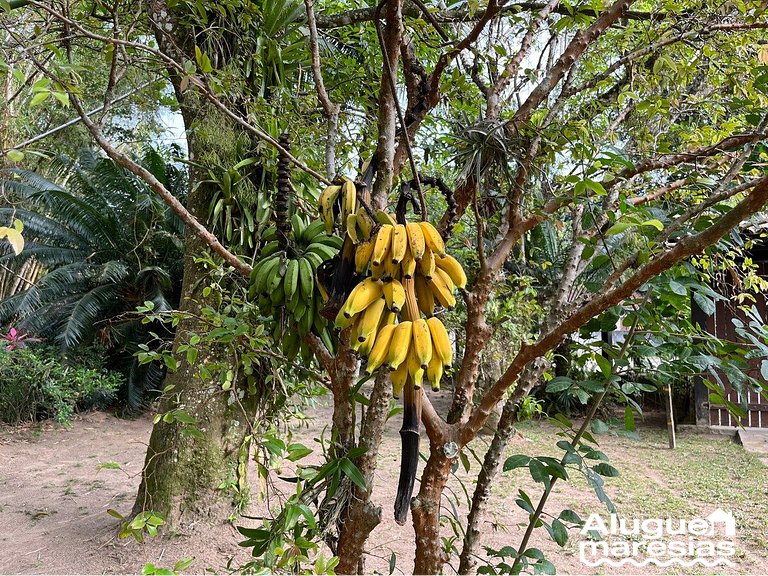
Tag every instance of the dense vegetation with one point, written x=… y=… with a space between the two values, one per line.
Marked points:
x=589 y=165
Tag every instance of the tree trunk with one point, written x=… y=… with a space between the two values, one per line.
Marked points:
x=363 y=515
x=425 y=508
x=182 y=472
x=490 y=469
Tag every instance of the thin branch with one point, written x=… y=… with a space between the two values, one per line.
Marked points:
x=322 y=95
x=686 y=247
x=158 y=187
x=577 y=46
x=513 y=66
x=194 y=80
x=74 y=121
x=330 y=110
x=707 y=29
x=668 y=160
x=462 y=15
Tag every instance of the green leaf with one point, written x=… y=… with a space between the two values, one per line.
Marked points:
x=109 y=466
x=538 y=472
x=297 y=451
x=203 y=62
x=517 y=461
x=604 y=364
x=62 y=97
x=353 y=473
x=39 y=98
x=544 y=567
x=534 y=553
x=115 y=514
x=570 y=516
x=558 y=384
x=559 y=532
x=654 y=223
x=629 y=419
x=618 y=228
x=678 y=288
x=183 y=564
x=605 y=470
x=183 y=417
x=599 y=427
x=15 y=155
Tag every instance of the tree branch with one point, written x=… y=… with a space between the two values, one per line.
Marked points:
x=462 y=15
x=684 y=248
x=580 y=42
x=193 y=223
x=194 y=80
x=330 y=110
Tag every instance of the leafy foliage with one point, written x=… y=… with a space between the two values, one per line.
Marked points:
x=106 y=243
x=36 y=382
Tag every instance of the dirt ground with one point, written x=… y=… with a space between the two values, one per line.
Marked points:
x=54 y=499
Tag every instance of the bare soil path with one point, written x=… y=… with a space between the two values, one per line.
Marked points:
x=54 y=498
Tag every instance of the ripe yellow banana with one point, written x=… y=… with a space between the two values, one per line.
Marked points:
x=354 y=341
x=441 y=343
x=351 y=228
x=363 y=254
x=435 y=372
x=439 y=272
x=349 y=199
x=394 y=295
x=326 y=201
x=399 y=378
x=364 y=223
x=416 y=241
x=343 y=321
x=365 y=346
x=427 y=264
x=380 y=348
x=387 y=318
x=362 y=296
x=382 y=245
x=391 y=270
x=370 y=320
x=399 y=244
x=415 y=369
x=453 y=268
x=384 y=217
x=400 y=344
x=424 y=296
x=441 y=290
x=377 y=271
x=408 y=265
x=422 y=342
x=432 y=238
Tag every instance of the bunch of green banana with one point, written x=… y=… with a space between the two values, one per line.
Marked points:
x=285 y=278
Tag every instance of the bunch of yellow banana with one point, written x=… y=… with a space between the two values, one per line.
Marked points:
x=339 y=201
x=410 y=250
x=407 y=344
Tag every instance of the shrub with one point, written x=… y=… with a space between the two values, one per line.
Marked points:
x=37 y=382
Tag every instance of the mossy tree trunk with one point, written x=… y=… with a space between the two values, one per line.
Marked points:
x=184 y=474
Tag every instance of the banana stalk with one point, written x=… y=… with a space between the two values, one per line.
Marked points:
x=409 y=432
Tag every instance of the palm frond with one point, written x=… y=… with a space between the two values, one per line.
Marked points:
x=90 y=308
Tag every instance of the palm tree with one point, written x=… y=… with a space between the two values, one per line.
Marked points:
x=106 y=244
